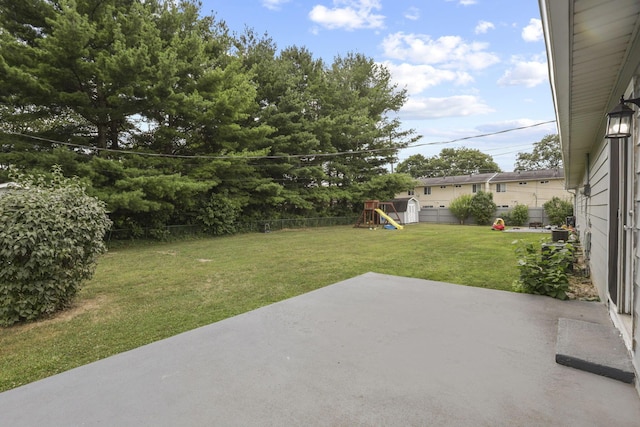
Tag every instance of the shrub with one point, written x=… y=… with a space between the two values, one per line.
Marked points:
x=544 y=269
x=221 y=214
x=483 y=208
x=558 y=210
x=460 y=207
x=518 y=215
x=51 y=233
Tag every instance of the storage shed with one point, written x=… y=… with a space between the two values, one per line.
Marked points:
x=408 y=209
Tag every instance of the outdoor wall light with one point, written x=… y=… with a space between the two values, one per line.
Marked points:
x=620 y=119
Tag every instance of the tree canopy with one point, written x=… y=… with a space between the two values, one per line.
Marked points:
x=450 y=162
x=546 y=154
x=171 y=119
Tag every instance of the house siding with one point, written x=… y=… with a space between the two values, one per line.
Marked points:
x=635 y=296
x=592 y=218
x=532 y=194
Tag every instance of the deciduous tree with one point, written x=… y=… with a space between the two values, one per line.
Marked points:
x=460 y=207
x=546 y=154
x=450 y=162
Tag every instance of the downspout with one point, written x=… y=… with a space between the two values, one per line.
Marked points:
x=487 y=185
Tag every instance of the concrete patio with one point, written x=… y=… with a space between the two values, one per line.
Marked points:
x=374 y=350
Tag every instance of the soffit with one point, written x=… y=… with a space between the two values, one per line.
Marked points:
x=593 y=51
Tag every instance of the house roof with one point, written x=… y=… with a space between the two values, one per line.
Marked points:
x=556 y=173
x=482 y=178
x=593 y=50
x=459 y=179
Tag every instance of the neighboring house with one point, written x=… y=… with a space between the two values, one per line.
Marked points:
x=408 y=209
x=531 y=188
x=593 y=50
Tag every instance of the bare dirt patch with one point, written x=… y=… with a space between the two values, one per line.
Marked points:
x=581 y=288
x=78 y=308
x=172 y=253
x=580 y=285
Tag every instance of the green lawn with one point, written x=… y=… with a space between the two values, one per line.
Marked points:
x=146 y=292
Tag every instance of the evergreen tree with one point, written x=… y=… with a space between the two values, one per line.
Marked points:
x=225 y=123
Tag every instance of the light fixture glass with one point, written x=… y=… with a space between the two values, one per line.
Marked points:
x=620 y=119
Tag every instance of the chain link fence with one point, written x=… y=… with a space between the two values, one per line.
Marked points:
x=171 y=232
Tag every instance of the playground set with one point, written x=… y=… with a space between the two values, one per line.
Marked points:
x=377 y=213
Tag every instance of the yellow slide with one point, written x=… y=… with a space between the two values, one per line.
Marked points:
x=389 y=219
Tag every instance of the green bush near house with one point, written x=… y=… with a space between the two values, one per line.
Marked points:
x=51 y=233
x=544 y=268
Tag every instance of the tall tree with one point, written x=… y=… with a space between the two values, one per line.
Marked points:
x=289 y=136
x=90 y=57
x=360 y=101
x=546 y=154
x=450 y=162
x=415 y=165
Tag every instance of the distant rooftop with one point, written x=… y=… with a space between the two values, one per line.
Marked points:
x=481 y=178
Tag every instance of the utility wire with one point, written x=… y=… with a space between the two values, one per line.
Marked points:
x=286 y=156
x=482 y=135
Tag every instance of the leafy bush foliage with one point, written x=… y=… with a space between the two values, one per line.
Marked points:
x=518 y=215
x=51 y=233
x=544 y=269
x=220 y=215
x=558 y=210
x=460 y=207
x=483 y=208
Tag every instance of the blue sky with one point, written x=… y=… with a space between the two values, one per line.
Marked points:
x=471 y=67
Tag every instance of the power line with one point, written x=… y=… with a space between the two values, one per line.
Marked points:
x=482 y=135
x=266 y=157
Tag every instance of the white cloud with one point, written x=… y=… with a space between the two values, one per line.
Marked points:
x=484 y=26
x=533 y=31
x=448 y=51
x=525 y=73
x=348 y=14
x=417 y=78
x=436 y=108
x=273 y=4
x=413 y=13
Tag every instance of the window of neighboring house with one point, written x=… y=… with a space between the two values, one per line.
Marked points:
x=544 y=182
x=427 y=207
x=501 y=188
x=443 y=186
x=458 y=185
x=522 y=183
x=442 y=206
x=504 y=206
x=411 y=192
x=427 y=191
x=476 y=187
